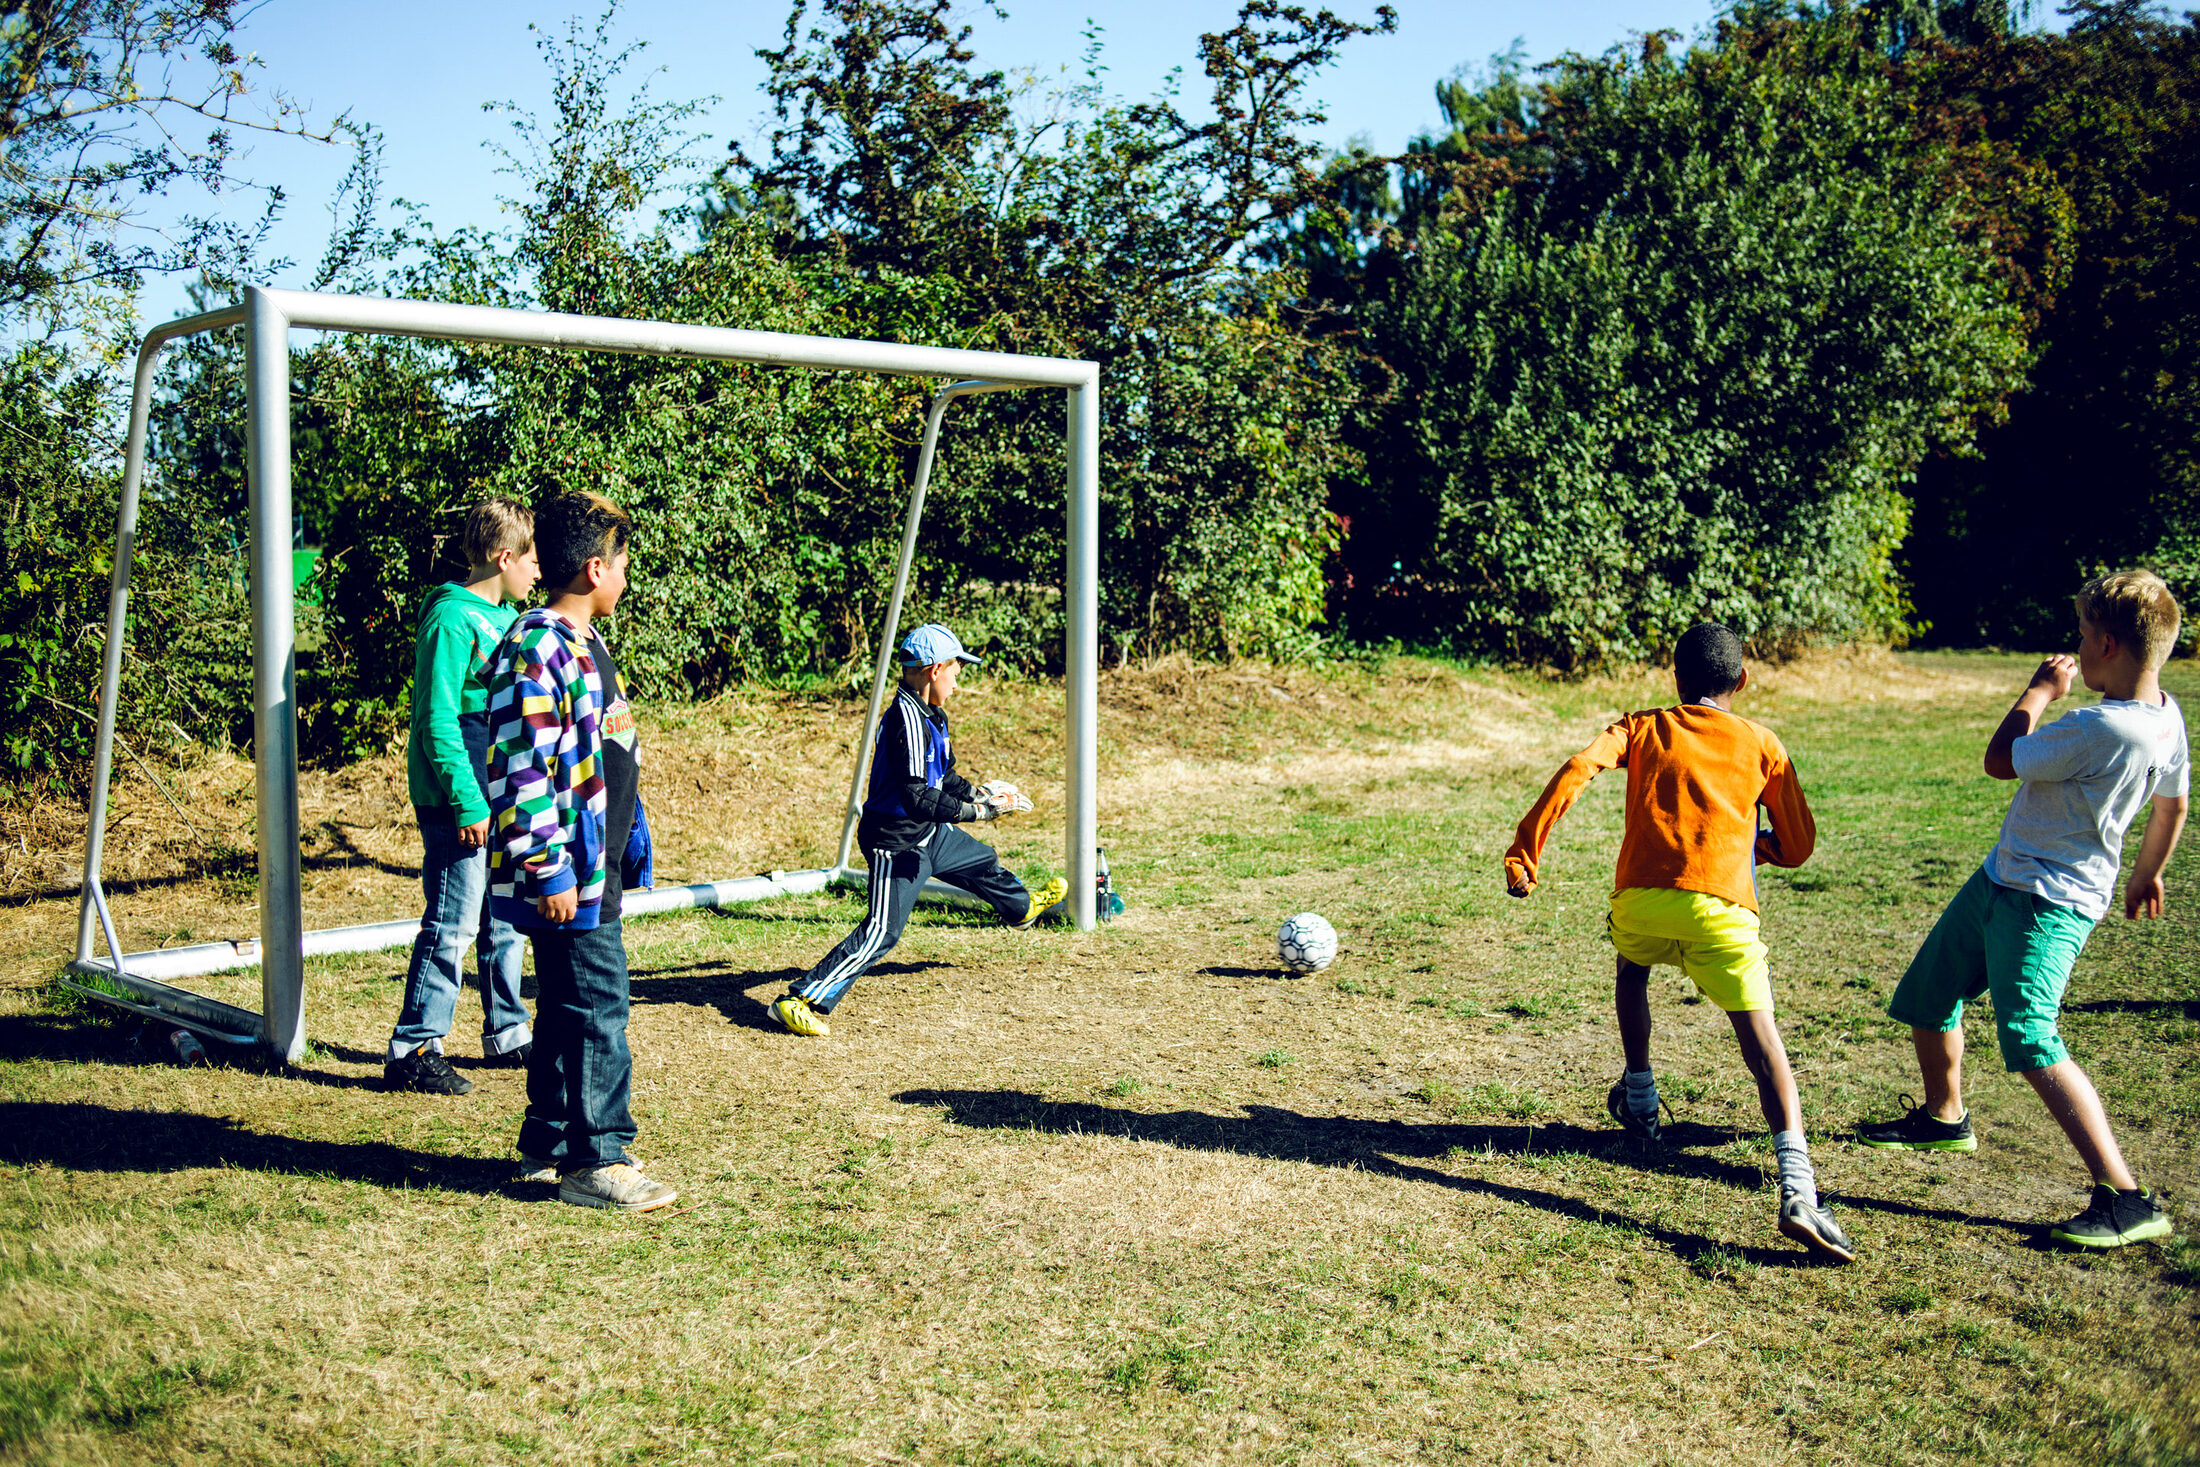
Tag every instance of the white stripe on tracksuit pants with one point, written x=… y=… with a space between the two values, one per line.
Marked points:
x=896 y=879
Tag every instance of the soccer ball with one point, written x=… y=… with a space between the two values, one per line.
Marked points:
x=1306 y=943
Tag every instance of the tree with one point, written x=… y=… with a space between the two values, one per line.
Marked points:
x=1685 y=372
x=1127 y=233
x=96 y=97
x=186 y=661
x=2098 y=464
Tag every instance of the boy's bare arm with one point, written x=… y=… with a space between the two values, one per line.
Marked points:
x=2143 y=895
x=2050 y=681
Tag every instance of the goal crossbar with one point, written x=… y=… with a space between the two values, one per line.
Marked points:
x=268 y=316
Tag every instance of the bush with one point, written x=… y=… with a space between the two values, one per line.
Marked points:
x=1685 y=374
x=186 y=664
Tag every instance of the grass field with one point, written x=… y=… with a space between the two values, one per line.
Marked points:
x=1127 y=1196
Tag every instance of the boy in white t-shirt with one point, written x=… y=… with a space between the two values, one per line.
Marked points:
x=2017 y=926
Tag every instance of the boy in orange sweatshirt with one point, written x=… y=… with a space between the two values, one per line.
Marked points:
x=1685 y=893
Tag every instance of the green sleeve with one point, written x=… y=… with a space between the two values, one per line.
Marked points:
x=446 y=658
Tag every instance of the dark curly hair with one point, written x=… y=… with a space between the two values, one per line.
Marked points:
x=573 y=529
x=1707 y=662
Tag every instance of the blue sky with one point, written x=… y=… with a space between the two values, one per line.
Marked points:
x=422 y=72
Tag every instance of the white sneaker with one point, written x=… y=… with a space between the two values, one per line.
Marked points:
x=535 y=1169
x=618 y=1186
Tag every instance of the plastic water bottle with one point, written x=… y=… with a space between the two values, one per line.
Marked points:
x=1104 y=904
x=189 y=1051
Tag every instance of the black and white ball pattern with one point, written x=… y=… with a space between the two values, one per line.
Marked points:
x=1306 y=943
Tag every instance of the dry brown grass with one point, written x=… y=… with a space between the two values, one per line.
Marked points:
x=1121 y=1196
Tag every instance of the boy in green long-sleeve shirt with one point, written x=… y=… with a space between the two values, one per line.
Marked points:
x=446 y=767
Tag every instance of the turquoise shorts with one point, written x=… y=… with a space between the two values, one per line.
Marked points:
x=2012 y=944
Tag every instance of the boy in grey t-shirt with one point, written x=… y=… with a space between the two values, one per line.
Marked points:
x=2017 y=926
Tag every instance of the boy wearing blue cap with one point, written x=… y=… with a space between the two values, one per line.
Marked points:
x=908 y=833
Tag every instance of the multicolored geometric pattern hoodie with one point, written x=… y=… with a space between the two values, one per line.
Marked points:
x=546 y=771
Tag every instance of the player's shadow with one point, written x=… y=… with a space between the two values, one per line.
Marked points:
x=2182 y=1007
x=1222 y=972
x=1394 y=1148
x=777 y=912
x=348 y=854
x=743 y=996
x=80 y=1137
x=927 y=913
x=94 y=1038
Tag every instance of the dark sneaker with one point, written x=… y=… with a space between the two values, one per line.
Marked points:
x=2112 y=1218
x=1812 y=1226
x=1918 y=1130
x=511 y=1059
x=619 y=1186
x=425 y=1071
x=1642 y=1128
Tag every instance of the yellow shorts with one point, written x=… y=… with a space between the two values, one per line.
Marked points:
x=1715 y=943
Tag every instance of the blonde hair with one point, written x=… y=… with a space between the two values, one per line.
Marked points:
x=2136 y=609
x=495 y=526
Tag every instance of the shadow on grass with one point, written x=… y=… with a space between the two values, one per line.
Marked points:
x=348 y=853
x=1220 y=972
x=847 y=909
x=1391 y=1148
x=236 y=866
x=734 y=991
x=2182 y=1007
x=80 y=1137
x=91 y=1036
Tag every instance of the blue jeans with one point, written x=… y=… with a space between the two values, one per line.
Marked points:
x=456 y=882
x=580 y=1075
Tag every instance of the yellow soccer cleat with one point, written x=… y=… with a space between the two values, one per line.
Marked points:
x=1049 y=897
x=799 y=1018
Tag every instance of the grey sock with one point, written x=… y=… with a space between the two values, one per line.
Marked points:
x=1642 y=1091
x=1796 y=1174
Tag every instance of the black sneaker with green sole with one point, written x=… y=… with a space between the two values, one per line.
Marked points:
x=2112 y=1219
x=1918 y=1130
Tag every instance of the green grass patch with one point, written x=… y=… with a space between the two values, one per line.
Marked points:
x=1049 y=1197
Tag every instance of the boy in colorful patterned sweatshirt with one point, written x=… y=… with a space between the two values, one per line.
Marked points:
x=563 y=786
x=1685 y=893
x=446 y=765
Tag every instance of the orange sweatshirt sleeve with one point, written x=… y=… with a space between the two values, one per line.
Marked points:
x=1794 y=833
x=1608 y=750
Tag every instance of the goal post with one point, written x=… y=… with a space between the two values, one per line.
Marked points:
x=268 y=316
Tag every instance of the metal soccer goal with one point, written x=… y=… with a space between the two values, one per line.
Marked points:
x=268 y=316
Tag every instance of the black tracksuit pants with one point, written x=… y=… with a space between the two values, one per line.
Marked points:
x=896 y=878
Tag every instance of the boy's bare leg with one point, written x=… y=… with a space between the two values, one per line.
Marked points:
x=1940 y=1065
x=1802 y=1217
x=2076 y=1106
x=1631 y=1002
x=1767 y=1059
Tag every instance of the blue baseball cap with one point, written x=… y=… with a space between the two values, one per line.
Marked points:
x=931 y=644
